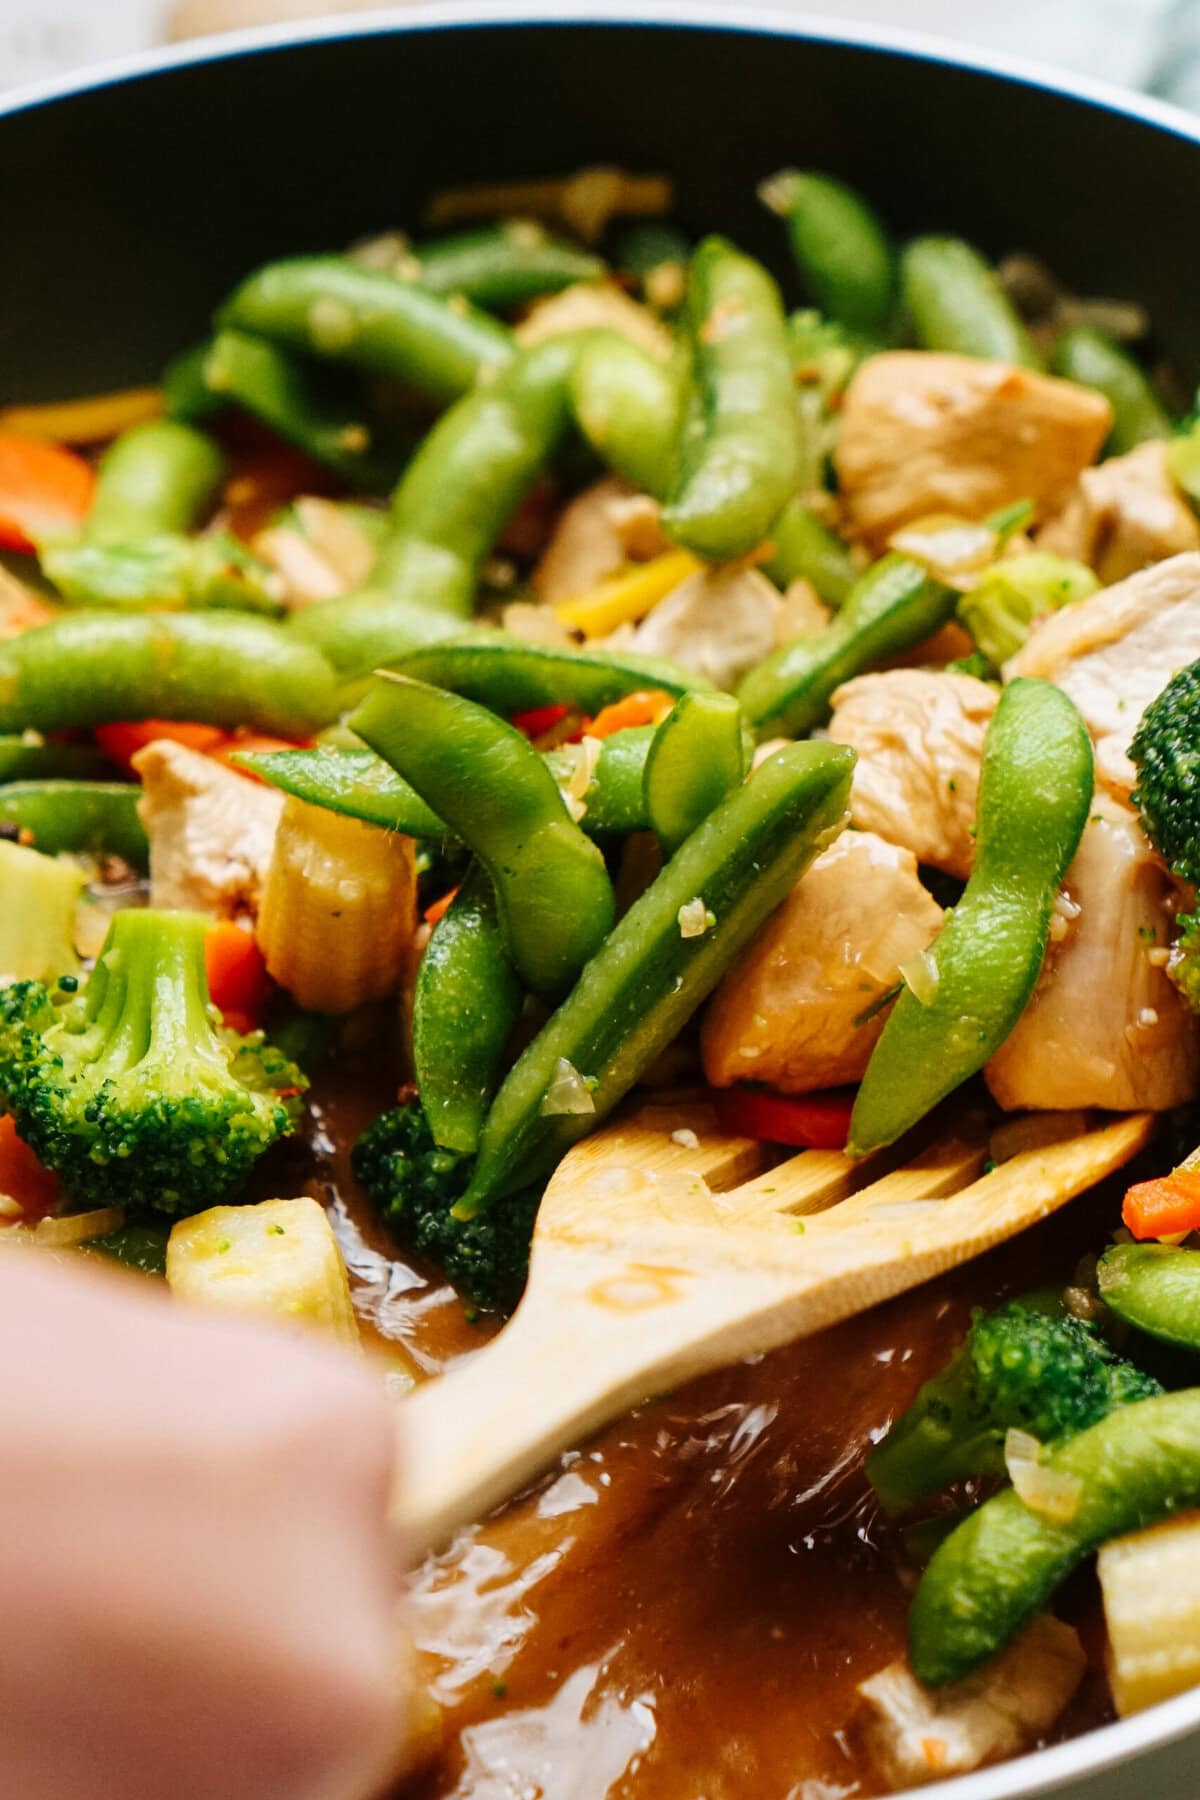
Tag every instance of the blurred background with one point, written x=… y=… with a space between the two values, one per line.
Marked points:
x=1148 y=44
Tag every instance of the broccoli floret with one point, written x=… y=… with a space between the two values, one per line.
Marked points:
x=130 y=1089
x=1166 y=749
x=413 y=1186
x=1045 y=1373
x=1000 y=609
x=37 y=919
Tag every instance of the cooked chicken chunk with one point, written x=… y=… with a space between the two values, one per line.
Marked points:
x=718 y=623
x=916 y=1734
x=786 y=1013
x=605 y=527
x=1105 y=1027
x=1116 y=650
x=923 y=433
x=211 y=832
x=1123 y=515
x=919 y=737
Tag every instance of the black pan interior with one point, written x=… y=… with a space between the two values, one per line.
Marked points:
x=130 y=208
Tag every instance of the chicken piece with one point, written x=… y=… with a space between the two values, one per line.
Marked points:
x=925 y=433
x=1123 y=515
x=591 y=306
x=1105 y=1027
x=211 y=832
x=1116 y=650
x=785 y=1014
x=919 y=737
x=603 y=529
x=916 y=1734
x=718 y=623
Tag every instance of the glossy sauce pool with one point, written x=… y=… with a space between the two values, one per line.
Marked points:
x=682 y=1609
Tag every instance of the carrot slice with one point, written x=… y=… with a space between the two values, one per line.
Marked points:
x=121 y=742
x=648 y=707
x=1168 y=1207
x=45 y=491
x=809 y=1121
x=237 y=975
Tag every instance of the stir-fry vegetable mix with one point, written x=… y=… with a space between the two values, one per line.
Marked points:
x=487 y=755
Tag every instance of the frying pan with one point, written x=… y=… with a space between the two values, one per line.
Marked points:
x=134 y=196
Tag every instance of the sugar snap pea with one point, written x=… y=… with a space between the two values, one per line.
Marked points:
x=90 y=668
x=1001 y=1565
x=957 y=304
x=697 y=756
x=503 y=265
x=1035 y=790
x=491 y=787
x=804 y=548
x=739 y=460
x=168 y=571
x=466 y=1002
x=100 y=817
x=160 y=477
x=366 y=630
x=185 y=390
x=511 y=674
x=840 y=246
x=331 y=307
x=629 y=407
x=662 y=960
x=1156 y=1288
x=891 y=607
x=1085 y=355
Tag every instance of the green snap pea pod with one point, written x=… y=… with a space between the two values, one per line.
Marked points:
x=1155 y=1287
x=366 y=630
x=219 y=668
x=306 y=405
x=504 y=265
x=168 y=572
x=806 y=549
x=510 y=674
x=100 y=817
x=698 y=755
x=1085 y=355
x=957 y=304
x=1001 y=1565
x=186 y=393
x=891 y=607
x=660 y=963
x=160 y=477
x=629 y=407
x=840 y=246
x=739 y=460
x=1035 y=790
x=28 y=757
x=332 y=307
x=360 y=785
x=466 y=1003
x=491 y=787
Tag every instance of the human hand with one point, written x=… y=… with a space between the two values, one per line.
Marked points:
x=196 y=1581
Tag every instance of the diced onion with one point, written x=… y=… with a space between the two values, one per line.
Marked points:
x=695 y=919
x=685 y=1138
x=568 y=1093
x=77 y=1228
x=920 y=975
x=1051 y=1493
x=575 y=792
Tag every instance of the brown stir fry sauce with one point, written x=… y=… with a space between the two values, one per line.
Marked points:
x=683 y=1608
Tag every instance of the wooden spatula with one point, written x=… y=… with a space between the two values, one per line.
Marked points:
x=665 y=1249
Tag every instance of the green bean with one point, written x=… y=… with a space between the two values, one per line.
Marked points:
x=957 y=304
x=159 y=477
x=629 y=407
x=841 y=248
x=504 y=265
x=306 y=405
x=1085 y=355
x=219 y=668
x=660 y=963
x=99 y=817
x=891 y=607
x=28 y=757
x=331 y=307
x=466 y=1004
x=1035 y=790
x=1156 y=1288
x=1001 y=1565
x=510 y=674
x=495 y=793
x=739 y=459
x=168 y=572
x=804 y=548
x=697 y=757
x=186 y=393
